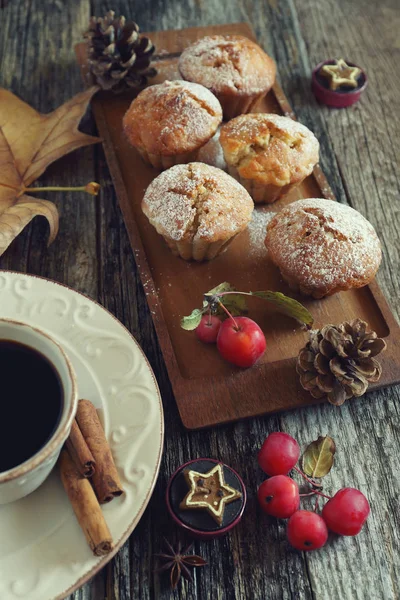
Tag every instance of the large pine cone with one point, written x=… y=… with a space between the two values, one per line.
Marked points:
x=338 y=361
x=118 y=57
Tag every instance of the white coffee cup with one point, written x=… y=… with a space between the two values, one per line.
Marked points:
x=28 y=476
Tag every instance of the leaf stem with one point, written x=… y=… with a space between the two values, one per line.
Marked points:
x=229 y=314
x=91 y=188
x=233 y=293
x=51 y=188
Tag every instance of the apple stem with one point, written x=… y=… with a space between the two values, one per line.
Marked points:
x=209 y=316
x=322 y=495
x=311 y=481
x=229 y=314
x=316 y=503
x=315 y=493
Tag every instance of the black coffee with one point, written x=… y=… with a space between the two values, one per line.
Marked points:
x=31 y=402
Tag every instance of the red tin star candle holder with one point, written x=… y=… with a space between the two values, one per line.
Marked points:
x=206 y=498
x=338 y=83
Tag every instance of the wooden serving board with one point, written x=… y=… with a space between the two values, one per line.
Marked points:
x=208 y=390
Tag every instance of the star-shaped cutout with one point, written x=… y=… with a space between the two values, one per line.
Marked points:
x=208 y=491
x=341 y=74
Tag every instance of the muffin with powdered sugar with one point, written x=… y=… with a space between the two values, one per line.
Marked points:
x=233 y=67
x=198 y=209
x=168 y=123
x=322 y=247
x=268 y=154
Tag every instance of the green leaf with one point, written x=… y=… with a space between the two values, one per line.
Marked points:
x=192 y=321
x=288 y=306
x=317 y=459
x=235 y=303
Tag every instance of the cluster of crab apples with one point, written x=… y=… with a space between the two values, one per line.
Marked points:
x=344 y=514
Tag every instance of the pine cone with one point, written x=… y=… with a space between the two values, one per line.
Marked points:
x=118 y=56
x=338 y=361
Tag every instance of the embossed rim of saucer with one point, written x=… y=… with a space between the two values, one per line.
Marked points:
x=78 y=580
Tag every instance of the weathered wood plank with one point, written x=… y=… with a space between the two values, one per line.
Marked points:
x=304 y=426
x=364 y=137
x=37 y=63
x=365 y=156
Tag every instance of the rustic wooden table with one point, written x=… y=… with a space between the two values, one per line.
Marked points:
x=360 y=156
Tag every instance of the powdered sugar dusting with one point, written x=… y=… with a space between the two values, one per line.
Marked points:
x=188 y=90
x=257 y=229
x=323 y=245
x=228 y=63
x=212 y=154
x=248 y=126
x=269 y=148
x=197 y=201
x=172 y=117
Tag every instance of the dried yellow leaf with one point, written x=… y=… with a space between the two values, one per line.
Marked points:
x=29 y=142
x=317 y=459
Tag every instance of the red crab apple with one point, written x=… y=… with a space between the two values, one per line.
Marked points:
x=278 y=454
x=208 y=328
x=241 y=341
x=306 y=531
x=346 y=512
x=279 y=496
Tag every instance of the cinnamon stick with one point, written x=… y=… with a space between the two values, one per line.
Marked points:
x=86 y=506
x=105 y=480
x=80 y=452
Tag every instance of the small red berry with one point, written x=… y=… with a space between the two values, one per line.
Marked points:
x=346 y=512
x=241 y=342
x=279 y=496
x=306 y=531
x=208 y=328
x=278 y=454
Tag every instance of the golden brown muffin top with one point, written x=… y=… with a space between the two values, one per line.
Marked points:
x=269 y=149
x=172 y=117
x=323 y=246
x=228 y=64
x=197 y=201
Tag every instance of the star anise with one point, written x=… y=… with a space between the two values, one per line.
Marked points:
x=178 y=561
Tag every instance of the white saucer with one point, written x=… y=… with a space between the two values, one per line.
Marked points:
x=43 y=552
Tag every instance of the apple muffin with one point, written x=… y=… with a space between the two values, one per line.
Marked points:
x=268 y=154
x=322 y=247
x=169 y=122
x=197 y=209
x=233 y=67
